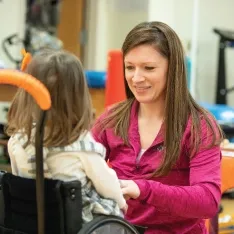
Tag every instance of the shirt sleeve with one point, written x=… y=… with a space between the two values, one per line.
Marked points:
x=104 y=178
x=14 y=168
x=199 y=200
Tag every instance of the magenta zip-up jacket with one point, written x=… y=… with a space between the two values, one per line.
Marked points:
x=177 y=203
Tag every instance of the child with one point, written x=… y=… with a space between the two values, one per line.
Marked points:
x=70 y=152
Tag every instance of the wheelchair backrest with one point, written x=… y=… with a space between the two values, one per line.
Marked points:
x=18 y=205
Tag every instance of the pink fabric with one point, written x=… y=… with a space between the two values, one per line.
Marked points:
x=177 y=203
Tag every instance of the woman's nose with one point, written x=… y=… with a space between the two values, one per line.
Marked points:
x=138 y=76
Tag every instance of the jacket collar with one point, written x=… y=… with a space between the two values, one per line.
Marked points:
x=133 y=132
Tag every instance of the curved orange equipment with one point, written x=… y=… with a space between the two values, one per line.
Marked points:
x=26 y=60
x=114 y=91
x=30 y=84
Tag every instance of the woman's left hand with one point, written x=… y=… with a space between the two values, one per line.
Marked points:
x=129 y=189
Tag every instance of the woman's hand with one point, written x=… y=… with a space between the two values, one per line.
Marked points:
x=125 y=209
x=129 y=189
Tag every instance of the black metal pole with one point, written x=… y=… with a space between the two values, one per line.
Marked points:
x=221 y=95
x=40 y=173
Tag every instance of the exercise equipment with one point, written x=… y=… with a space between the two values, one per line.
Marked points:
x=42 y=18
x=226 y=41
x=7 y=43
x=224 y=115
x=96 y=79
x=115 y=91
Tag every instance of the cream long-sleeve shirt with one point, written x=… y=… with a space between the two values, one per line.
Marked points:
x=83 y=160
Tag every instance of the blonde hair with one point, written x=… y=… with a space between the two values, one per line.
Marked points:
x=71 y=112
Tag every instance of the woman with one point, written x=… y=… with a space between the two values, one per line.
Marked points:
x=163 y=146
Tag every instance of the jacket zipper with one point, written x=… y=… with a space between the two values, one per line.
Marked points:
x=158 y=148
x=137 y=166
x=138 y=161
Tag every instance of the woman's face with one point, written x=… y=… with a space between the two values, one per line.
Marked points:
x=146 y=73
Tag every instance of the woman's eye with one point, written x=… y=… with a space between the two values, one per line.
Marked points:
x=149 y=68
x=129 y=68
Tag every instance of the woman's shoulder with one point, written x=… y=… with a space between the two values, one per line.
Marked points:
x=204 y=120
x=111 y=110
x=204 y=127
x=107 y=111
x=98 y=129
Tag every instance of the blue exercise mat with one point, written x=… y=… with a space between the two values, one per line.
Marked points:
x=223 y=113
x=96 y=79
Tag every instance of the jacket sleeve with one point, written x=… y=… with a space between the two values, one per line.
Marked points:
x=199 y=200
x=104 y=178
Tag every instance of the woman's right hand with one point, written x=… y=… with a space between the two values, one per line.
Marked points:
x=129 y=189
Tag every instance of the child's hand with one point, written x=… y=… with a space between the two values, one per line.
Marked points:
x=129 y=189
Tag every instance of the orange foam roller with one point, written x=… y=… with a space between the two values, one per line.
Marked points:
x=115 y=91
x=30 y=84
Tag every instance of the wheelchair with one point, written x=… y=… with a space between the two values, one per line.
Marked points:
x=63 y=212
x=45 y=206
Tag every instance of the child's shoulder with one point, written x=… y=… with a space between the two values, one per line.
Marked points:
x=85 y=143
x=19 y=137
x=88 y=143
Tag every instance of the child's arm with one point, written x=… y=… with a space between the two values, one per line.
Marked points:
x=10 y=148
x=104 y=178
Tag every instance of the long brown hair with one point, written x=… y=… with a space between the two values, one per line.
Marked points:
x=179 y=103
x=70 y=114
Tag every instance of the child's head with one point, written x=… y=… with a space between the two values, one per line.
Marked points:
x=71 y=112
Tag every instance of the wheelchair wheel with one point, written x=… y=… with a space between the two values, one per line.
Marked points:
x=108 y=225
